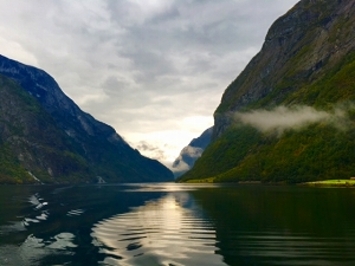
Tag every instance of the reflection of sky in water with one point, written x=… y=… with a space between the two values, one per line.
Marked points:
x=33 y=249
x=167 y=187
x=161 y=232
x=256 y=225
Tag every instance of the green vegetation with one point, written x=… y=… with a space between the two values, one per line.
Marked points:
x=202 y=180
x=316 y=152
x=35 y=141
x=331 y=183
x=11 y=170
x=225 y=153
x=31 y=142
x=337 y=86
x=314 y=66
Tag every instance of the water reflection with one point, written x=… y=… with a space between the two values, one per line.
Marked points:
x=176 y=224
x=162 y=232
x=282 y=225
x=33 y=249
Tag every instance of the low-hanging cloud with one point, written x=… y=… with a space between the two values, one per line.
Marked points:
x=152 y=150
x=283 y=118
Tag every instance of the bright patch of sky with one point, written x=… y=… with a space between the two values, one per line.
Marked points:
x=155 y=70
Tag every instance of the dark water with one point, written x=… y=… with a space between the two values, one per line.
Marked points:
x=174 y=224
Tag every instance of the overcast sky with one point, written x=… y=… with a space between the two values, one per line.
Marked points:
x=155 y=70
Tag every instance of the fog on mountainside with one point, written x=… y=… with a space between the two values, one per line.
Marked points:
x=300 y=88
x=191 y=153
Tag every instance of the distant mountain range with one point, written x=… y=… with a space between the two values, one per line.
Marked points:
x=290 y=115
x=191 y=153
x=45 y=137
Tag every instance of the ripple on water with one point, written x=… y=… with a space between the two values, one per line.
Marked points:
x=33 y=249
x=159 y=233
x=76 y=212
x=275 y=248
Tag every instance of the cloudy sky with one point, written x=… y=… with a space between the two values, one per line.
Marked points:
x=155 y=70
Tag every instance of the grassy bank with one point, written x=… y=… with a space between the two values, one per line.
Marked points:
x=332 y=183
x=204 y=180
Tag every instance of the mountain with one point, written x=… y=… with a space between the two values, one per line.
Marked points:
x=44 y=135
x=289 y=116
x=191 y=153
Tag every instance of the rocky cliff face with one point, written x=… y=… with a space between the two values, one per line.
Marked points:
x=191 y=153
x=46 y=134
x=300 y=47
x=276 y=120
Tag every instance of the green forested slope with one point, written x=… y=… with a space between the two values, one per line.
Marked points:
x=45 y=137
x=30 y=142
x=307 y=61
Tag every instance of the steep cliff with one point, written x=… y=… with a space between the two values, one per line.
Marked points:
x=45 y=133
x=289 y=115
x=191 y=153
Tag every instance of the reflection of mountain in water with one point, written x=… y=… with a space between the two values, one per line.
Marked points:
x=161 y=232
x=265 y=225
x=43 y=225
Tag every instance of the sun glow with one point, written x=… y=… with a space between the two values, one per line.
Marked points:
x=162 y=232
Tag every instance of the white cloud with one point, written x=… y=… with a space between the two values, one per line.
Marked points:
x=11 y=47
x=141 y=66
x=283 y=118
x=193 y=152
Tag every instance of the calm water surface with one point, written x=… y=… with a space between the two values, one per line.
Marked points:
x=176 y=224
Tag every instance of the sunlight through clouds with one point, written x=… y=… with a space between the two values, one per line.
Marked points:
x=143 y=67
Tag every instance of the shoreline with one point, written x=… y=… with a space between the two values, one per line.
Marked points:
x=346 y=183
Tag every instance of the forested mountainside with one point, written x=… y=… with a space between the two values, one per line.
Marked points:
x=191 y=153
x=45 y=137
x=289 y=116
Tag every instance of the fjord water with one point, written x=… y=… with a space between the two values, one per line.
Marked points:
x=176 y=224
